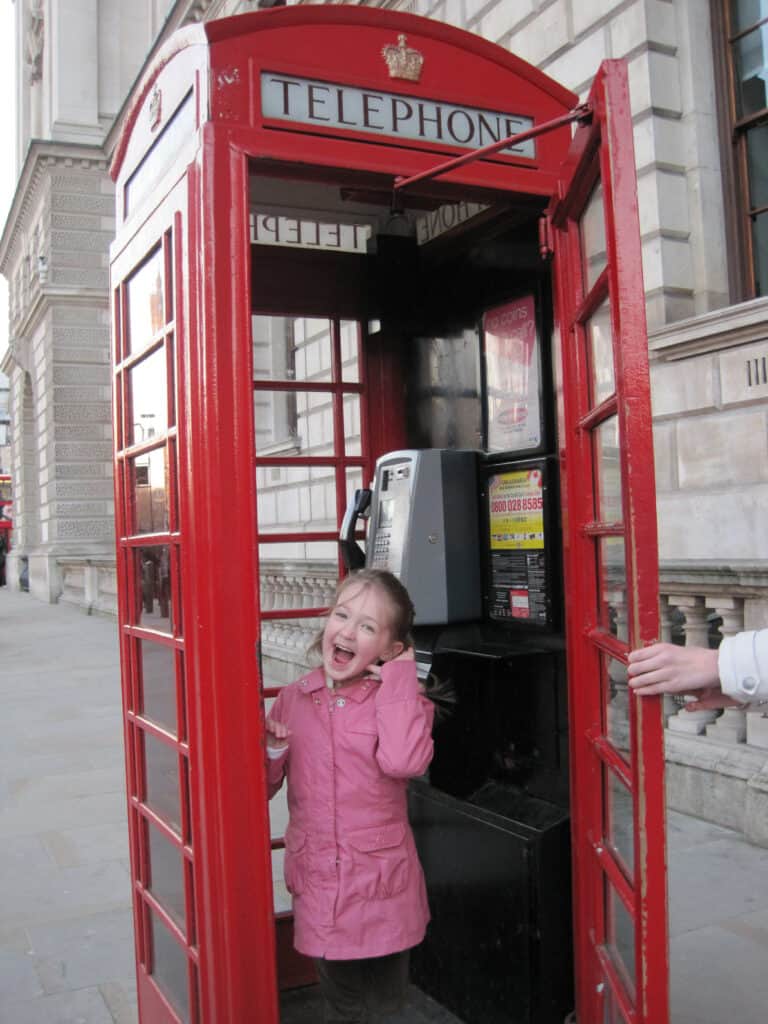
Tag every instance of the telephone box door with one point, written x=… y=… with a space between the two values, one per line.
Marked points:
x=617 y=756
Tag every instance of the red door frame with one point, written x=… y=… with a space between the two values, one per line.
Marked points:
x=602 y=154
x=235 y=936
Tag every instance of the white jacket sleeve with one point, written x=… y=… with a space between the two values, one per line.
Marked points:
x=742 y=663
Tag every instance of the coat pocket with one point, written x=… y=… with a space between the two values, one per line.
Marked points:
x=380 y=860
x=294 y=866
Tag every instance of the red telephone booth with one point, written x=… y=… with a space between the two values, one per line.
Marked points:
x=290 y=253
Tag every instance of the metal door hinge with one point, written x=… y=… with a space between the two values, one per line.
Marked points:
x=546 y=248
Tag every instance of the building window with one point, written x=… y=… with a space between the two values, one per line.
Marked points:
x=741 y=50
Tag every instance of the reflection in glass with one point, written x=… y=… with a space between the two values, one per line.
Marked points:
x=612 y=593
x=153 y=588
x=611 y=1012
x=296 y=501
x=158 y=698
x=289 y=423
x=151 y=488
x=169 y=966
x=166 y=871
x=608 y=503
x=350 y=350
x=620 y=935
x=291 y=348
x=281 y=896
x=599 y=334
x=352 y=430
x=148 y=398
x=745 y=13
x=751 y=69
x=619 y=825
x=760 y=246
x=592 y=230
x=162 y=777
x=445 y=410
x=616 y=705
x=757 y=161
x=146 y=315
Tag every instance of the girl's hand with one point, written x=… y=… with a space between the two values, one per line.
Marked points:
x=407 y=654
x=668 y=668
x=277 y=734
x=712 y=697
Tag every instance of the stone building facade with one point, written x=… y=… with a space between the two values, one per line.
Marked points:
x=708 y=321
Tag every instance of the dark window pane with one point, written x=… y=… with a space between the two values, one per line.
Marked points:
x=747 y=12
x=158 y=684
x=166 y=871
x=150 y=498
x=757 y=165
x=153 y=588
x=148 y=398
x=169 y=967
x=760 y=245
x=162 y=776
x=749 y=58
x=145 y=303
x=620 y=933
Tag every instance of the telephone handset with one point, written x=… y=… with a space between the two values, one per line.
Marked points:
x=352 y=554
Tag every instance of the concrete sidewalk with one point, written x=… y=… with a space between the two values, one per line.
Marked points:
x=66 y=946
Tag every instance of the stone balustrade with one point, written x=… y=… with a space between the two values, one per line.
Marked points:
x=285 y=642
x=717 y=761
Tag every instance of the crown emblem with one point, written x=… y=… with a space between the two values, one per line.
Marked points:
x=402 y=61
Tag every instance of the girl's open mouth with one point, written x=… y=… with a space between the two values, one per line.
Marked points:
x=341 y=655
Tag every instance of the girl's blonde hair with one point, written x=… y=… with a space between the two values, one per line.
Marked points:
x=399 y=600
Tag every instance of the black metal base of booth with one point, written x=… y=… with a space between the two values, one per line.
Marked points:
x=497 y=864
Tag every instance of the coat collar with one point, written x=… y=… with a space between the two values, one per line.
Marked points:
x=357 y=691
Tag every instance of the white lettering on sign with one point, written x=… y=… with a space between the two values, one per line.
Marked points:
x=445 y=218
x=307 y=101
x=303 y=233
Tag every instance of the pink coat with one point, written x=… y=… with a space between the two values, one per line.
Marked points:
x=350 y=858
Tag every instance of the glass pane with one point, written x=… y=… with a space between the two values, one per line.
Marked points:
x=599 y=335
x=162 y=777
x=146 y=315
x=151 y=489
x=296 y=499
x=282 y=898
x=611 y=1011
x=350 y=350
x=608 y=504
x=153 y=588
x=750 y=71
x=760 y=245
x=444 y=408
x=169 y=966
x=612 y=595
x=166 y=872
x=148 y=398
x=293 y=423
x=291 y=348
x=158 y=675
x=592 y=230
x=619 y=827
x=757 y=165
x=747 y=12
x=285 y=649
x=620 y=935
x=352 y=435
x=616 y=705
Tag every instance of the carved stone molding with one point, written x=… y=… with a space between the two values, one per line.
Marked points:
x=35 y=41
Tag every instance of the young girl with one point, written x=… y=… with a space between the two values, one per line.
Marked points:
x=348 y=736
